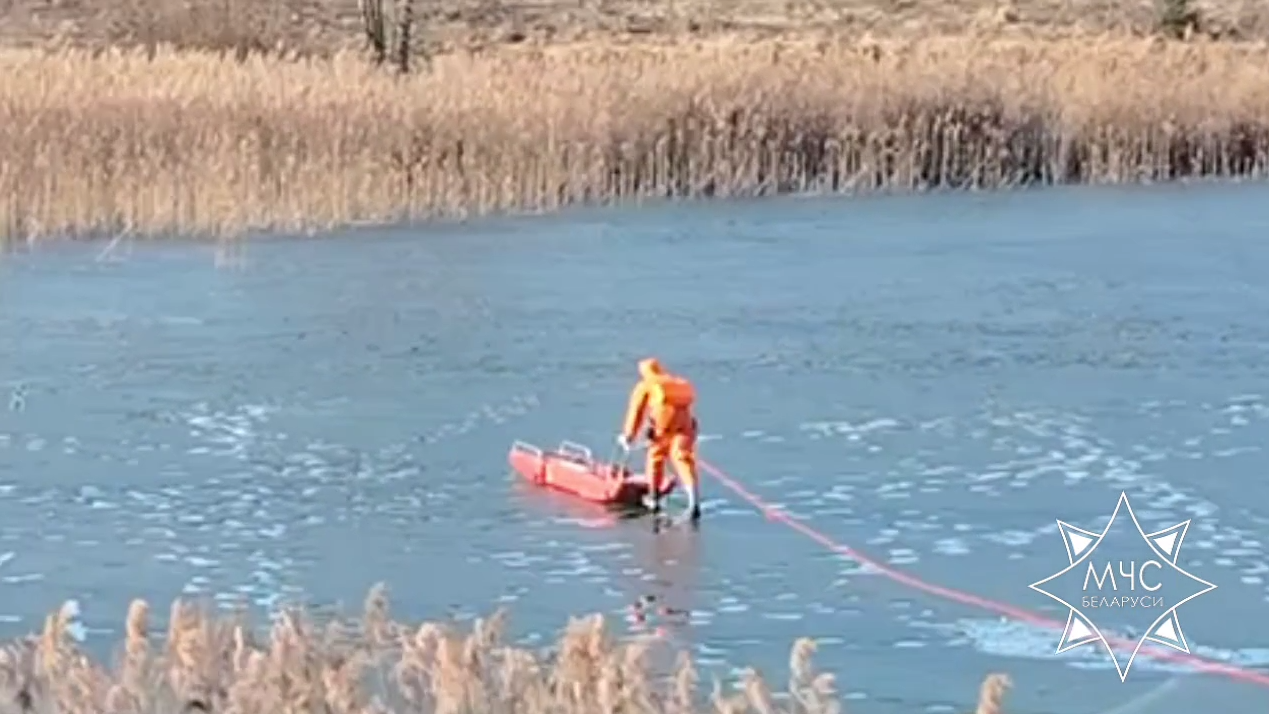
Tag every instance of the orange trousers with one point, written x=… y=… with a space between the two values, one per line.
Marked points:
x=676 y=441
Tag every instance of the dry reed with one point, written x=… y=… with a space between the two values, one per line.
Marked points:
x=193 y=143
x=213 y=662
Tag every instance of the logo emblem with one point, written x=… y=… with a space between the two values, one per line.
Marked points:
x=1127 y=577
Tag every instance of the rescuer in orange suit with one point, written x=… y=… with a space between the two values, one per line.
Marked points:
x=666 y=400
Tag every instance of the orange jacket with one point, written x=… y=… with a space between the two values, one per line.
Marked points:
x=658 y=394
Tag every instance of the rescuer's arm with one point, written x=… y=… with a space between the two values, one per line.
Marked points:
x=634 y=411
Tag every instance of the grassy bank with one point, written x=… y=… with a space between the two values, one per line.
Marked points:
x=219 y=663
x=323 y=26
x=190 y=142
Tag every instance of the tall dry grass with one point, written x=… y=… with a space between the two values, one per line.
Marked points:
x=193 y=143
x=217 y=663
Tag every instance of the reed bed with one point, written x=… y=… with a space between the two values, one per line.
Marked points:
x=212 y=662
x=166 y=142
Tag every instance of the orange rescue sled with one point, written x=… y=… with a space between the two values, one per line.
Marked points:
x=572 y=469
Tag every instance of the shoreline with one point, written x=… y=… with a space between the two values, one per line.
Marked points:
x=192 y=143
x=371 y=664
x=321 y=27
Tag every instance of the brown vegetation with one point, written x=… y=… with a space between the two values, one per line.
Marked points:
x=188 y=142
x=216 y=663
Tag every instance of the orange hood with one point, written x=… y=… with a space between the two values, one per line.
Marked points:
x=650 y=367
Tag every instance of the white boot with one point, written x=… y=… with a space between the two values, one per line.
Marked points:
x=694 y=502
x=651 y=502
